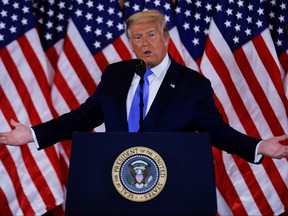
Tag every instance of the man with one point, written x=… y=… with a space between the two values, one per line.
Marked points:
x=180 y=100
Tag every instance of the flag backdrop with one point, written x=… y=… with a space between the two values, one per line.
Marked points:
x=54 y=52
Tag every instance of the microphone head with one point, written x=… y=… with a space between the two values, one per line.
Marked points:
x=140 y=67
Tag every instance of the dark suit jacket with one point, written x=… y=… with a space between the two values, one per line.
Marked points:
x=184 y=103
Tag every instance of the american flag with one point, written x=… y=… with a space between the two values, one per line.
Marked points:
x=30 y=180
x=241 y=61
x=52 y=60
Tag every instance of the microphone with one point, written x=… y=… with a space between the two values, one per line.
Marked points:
x=140 y=67
x=141 y=70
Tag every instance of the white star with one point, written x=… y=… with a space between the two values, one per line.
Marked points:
x=59 y=28
x=109 y=23
x=198 y=4
x=50 y=13
x=1 y=37
x=207 y=19
x=187 y=13
x=259 y=23
x=195 y=41
x=196 y=29
x=98 y=32
x=279 y=43
x=248 y=32
x=16 y=5
x=260 y=11
x=2 y=25
x=87 y=28
x=237 y=27
x=97 y=44
x=109 y=35
x=236 y=40
x=167 y=18
x=271 y=14
x=136 y=7
x=218 y=7
x=13 y=29
x=157 y=3
x=227 y=23
x=100 y=7
x=167 y=6
x=61 y=5
x=120 y=26
x=239 y=15
x=48 y=36
x=250 y=7
x=111 y=11
x=78 y=13
x=186 y=26
x=90 y=4
x=49 y=24
x=281 y=18
x=208 y=7
x=25 y=9
x=89 y=16
x=178 y=10
x=197 y=16
x=14 y=17
x=240 y=3
x=60 y=16
x=5 y=2
x=229 y=11
x=3 y=13
x=249 y=19
x=99 y=20
x=280 y=30
x=283 y=6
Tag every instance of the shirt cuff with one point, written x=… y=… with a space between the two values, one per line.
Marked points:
x=257 y=156
x=34 y=138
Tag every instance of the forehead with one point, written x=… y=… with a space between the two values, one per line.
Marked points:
x=144 y=27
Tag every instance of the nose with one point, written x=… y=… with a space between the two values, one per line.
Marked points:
x=145 y=41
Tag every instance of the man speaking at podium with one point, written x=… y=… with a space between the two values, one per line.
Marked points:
x=180 y=100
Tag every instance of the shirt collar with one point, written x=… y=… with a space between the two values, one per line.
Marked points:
x=162 y=67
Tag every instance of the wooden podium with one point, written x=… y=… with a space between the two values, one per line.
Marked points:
x=189 y=176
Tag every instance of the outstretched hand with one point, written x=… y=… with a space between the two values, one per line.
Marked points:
x=273 y=148
x=20 y=135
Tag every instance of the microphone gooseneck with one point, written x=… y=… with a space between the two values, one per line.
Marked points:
x=141 y=70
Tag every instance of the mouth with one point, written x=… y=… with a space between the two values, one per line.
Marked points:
x=147 y=53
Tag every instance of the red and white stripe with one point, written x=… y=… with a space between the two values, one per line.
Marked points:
x=30 y=179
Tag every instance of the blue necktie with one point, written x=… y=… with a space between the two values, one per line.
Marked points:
x=134 y=115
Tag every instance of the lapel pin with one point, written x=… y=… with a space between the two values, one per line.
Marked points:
x=172 y=85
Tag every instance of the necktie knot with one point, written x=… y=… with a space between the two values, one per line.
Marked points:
x=148 y=72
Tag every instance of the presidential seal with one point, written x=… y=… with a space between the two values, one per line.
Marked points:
x=139 y=174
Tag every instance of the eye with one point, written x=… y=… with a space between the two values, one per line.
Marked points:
x=152 y=34
x=137 y=37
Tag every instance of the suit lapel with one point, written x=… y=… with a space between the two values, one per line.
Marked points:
x=122 y=95
x=164 y=94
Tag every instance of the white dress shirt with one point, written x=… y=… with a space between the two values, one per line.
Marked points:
x=155 y=81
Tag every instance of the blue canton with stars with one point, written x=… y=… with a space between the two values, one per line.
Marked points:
x=99 y=22
x=16 y=18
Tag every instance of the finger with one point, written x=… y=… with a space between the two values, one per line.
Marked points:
x=282 y=137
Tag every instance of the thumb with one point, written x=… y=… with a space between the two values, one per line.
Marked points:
x=13 y=122
x=282 y=137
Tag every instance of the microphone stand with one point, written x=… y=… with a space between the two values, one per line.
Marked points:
x=141 y=70
x=141 y=104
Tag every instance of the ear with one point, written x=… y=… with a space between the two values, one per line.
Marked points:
x=167 y=39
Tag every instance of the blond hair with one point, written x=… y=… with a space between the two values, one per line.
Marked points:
x=147 y=16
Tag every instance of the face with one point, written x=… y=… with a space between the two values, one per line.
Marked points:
x=148 y=43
